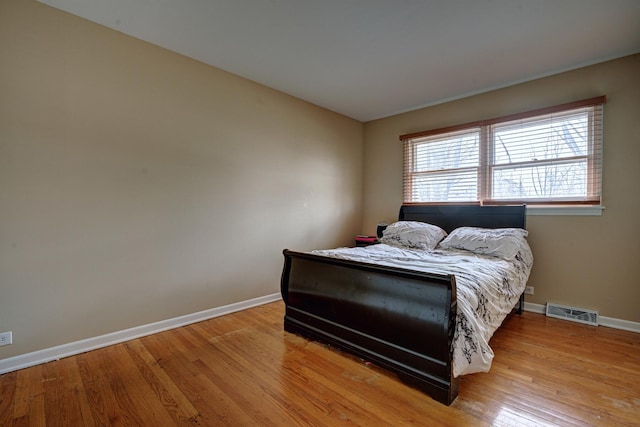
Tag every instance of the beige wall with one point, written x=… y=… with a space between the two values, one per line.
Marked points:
x=138 y=185
x=591 y=262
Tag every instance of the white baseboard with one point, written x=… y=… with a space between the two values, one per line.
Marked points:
x=609 y=322
x=534 y=308
x=54 y=353
x=626 y=325
x=77 y=347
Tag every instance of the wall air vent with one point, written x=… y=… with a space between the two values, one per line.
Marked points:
x=581 y=315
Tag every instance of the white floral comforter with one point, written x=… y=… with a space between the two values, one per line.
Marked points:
x=487 y=288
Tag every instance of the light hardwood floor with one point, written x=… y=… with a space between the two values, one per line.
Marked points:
x=244 y=370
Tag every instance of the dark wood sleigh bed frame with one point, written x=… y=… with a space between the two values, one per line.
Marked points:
x=399 y=319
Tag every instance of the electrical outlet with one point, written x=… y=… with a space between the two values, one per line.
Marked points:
x=529 y=290
x=6 y=338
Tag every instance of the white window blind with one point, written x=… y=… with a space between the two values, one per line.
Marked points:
x=547 y=156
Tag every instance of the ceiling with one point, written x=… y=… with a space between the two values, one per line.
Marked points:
x=369 y=59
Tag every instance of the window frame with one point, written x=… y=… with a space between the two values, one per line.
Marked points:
x=593 y=179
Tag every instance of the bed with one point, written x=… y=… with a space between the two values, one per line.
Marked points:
x=404 y=314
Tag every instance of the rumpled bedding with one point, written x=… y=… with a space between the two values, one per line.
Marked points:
x=487 y=290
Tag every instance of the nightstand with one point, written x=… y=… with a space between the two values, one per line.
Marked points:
x=363 y=240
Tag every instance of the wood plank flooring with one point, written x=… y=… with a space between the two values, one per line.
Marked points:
x=244 y=370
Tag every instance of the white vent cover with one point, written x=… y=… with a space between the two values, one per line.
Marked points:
x=581 y=315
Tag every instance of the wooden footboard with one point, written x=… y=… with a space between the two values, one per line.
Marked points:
x=399 y=319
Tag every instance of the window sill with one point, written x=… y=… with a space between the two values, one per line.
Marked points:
x=565 y=210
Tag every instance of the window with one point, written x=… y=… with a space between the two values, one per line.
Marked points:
x=551 y=156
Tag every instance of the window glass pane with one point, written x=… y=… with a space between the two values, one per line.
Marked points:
x=439 y=187
x=448 y=152
x=551 y=180
x=550 y=137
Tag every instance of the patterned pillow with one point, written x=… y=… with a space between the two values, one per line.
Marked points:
x=499 y=242
x=413 y=234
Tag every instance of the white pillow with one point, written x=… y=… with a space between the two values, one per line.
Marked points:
x=413 y=234
x=499 y=242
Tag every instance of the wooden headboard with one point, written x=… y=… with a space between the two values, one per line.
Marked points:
x=450 y=217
